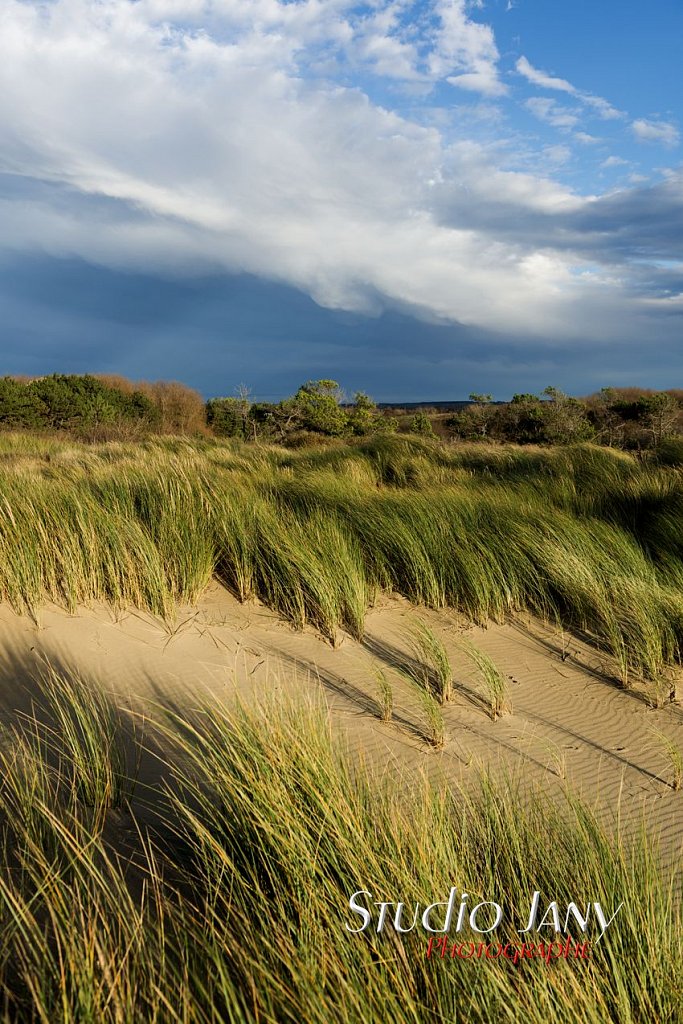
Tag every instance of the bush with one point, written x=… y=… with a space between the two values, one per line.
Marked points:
x=318 y=406
x=421 y=424
x=227 y=417
x=70 y=402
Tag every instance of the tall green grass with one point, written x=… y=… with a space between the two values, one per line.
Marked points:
x=235 y=909
x=584 y=536
x=432 y=666
x=494 y=682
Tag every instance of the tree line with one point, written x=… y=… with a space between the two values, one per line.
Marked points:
x=98 y=407
x=629 y=418
x=103 y=406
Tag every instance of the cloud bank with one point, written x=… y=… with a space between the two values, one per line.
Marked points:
x=290 y=140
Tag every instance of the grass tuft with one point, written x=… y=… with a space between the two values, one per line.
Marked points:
x=495 y=683
x=385 y=694
x=674 y=758
x=433 y=666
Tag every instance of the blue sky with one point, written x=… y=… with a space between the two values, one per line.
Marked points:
x=418 y=199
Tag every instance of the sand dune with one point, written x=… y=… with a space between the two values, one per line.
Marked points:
x=570 y=721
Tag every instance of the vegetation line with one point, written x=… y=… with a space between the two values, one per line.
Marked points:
x=584 y=536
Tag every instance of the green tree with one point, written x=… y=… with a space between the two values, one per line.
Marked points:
x=521 y=420
x=565 y=419
x=478 y=416
x=224 y=416
x=421 y=424
x=74 y=401
x=659 y=414
x=318 y=404
x=605 y=417
x=20 y=406
x=229 y=417
x=363 y=417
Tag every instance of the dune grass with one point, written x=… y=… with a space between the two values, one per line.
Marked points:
x=385 y=693
x=496 y=688
x=224 y=895
x=674 y=758
x=235 y=907
x=435 y=731
x=583 y=536
x=432 y=666
x=88 y=739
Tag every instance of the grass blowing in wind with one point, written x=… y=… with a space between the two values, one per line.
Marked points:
x=582 y=536
x=259 y=641
x=236 y=906
x=217 y=887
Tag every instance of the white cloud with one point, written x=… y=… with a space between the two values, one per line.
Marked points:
x=550 y=112
x=484 y=81
x=557 y=155
x=614 y=161
x=199 y=134
x=585 y=139
x=656 y=131
x=543 y=79
x=604 y=110
x=465 y=51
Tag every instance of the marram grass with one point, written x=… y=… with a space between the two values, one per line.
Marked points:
x=433 y=667
x=234 y=907
x=584 y=536
x=496 y=688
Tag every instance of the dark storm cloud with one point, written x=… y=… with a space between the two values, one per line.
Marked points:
x=635 y=223
x=218 y=331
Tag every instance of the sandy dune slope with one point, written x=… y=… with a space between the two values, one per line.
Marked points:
x=570 y=720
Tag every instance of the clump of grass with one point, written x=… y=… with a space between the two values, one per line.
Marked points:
x=562 y=636
x=234 y=526
x=674 y=757
x=236 y=912
x=31 y=788
x=495 y=683
x=434 y=664
x=659 y=691
x=557 y=760
x=386 y=695
x=433 y=712
x=620 y=654
x=89 y=739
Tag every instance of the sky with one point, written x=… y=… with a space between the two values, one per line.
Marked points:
x=419 y=200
